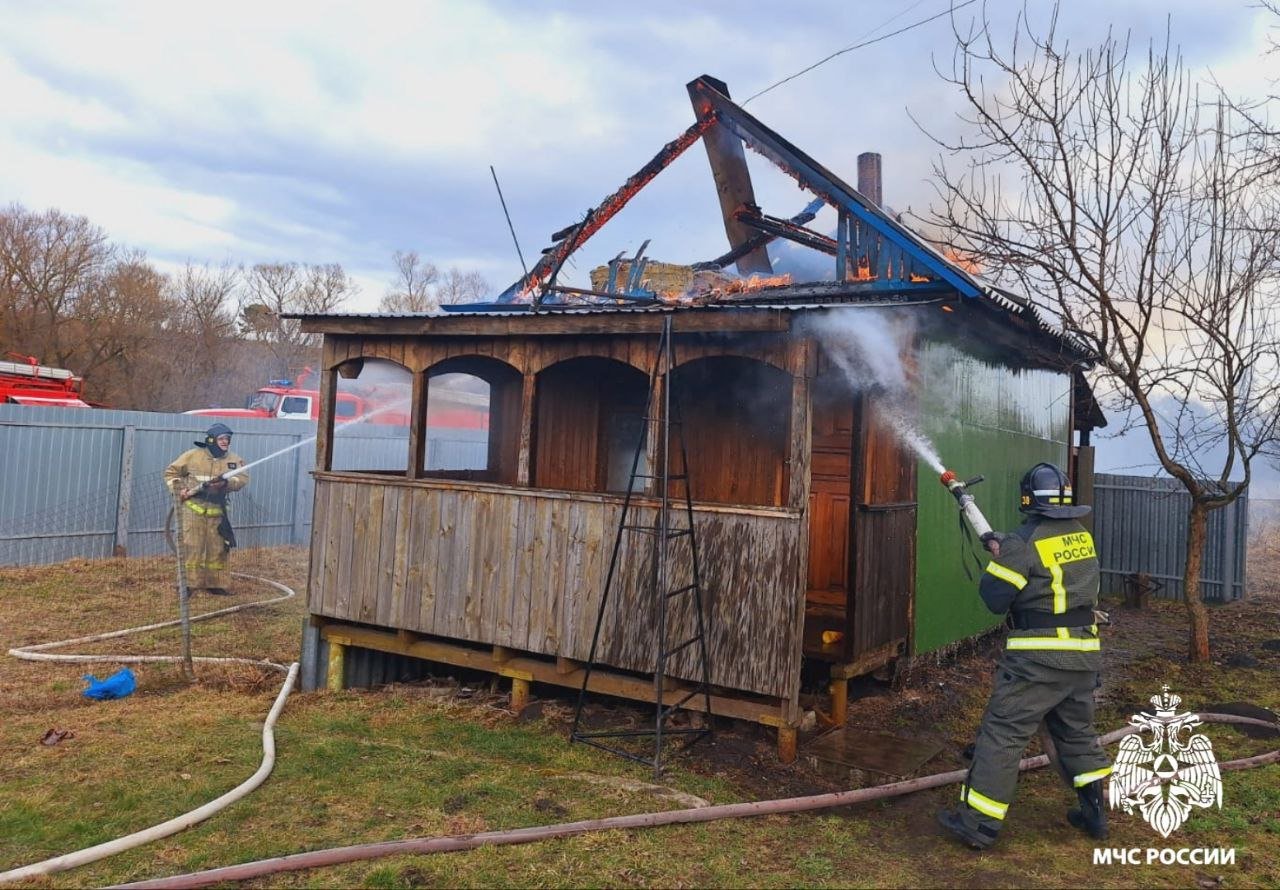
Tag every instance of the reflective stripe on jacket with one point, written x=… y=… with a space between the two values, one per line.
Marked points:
x=1048 y=566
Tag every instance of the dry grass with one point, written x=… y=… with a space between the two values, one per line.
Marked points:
x=413 y=760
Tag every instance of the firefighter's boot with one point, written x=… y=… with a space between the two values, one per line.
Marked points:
x=971 y=833
x=1091 y=816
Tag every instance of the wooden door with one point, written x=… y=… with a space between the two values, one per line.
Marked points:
x=831 y=474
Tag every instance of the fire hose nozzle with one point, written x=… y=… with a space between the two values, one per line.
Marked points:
x=969 y=507
x=952 y=483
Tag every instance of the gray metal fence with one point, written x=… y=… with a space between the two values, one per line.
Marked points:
x=1140 y=525
x=76 y=482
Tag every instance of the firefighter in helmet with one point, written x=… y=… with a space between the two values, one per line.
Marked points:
x=1045 y=577
x=196 y=477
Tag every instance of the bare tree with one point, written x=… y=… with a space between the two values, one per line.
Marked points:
x=324 y=288
x=119 y=317
x=201 y=340
x=1146 y=222
x=461 y=287
x=121 y=325
x=72 y=298
x=274 y=290
x=421 y=287
x=49 y=262
x=205 y=295
x=413 y=288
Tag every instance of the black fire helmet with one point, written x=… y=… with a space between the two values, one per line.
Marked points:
x=212 y=433
x=1046 y=491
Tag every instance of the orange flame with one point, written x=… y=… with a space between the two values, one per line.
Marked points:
x=756 y=282
x=966 y=261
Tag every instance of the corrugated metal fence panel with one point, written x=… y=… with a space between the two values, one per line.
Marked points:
x=63 y=481
x=1140 y=524
x=61 y=471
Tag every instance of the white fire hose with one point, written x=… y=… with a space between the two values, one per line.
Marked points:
x=39 y=652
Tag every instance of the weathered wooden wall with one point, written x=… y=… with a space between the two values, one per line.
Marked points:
x=526 y=568
x=737 y=414
x=576 y=402
x=884 y=535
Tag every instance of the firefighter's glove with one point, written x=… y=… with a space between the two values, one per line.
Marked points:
x=1101 y=618
x=992 y=543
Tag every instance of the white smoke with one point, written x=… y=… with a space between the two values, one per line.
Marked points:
x=867 y=346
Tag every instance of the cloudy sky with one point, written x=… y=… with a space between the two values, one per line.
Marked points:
x=322 y=132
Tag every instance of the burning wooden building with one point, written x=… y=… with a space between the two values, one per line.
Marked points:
x=820 y=534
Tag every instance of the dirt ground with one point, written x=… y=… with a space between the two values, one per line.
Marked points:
x=941 y=697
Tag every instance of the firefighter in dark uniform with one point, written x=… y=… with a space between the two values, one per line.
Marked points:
x=1045 y=576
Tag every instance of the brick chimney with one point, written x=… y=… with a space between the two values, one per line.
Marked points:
x=869 y=183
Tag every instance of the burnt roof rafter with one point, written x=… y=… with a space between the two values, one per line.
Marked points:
x=785 y=228
x=822 y=182
x=726 y=125
x=761 y=239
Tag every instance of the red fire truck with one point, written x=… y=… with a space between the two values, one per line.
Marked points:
x=30 y=383
x=290 y=400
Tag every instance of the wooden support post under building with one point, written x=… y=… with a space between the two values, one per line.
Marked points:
x=335 y=681
x=787 y=744
x=839 y=691
x=519 y=694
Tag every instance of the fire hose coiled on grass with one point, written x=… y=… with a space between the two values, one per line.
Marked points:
x=39 y=652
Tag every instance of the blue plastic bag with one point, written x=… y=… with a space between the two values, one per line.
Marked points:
x=118 y=685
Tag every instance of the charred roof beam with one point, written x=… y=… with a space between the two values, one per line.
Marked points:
x=733 y=184
x=762 y=239
x=813 y=176
x=570 y=239
x=785 y=228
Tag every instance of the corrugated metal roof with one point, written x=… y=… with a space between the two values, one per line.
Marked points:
x=777 y=301
x=523 y=309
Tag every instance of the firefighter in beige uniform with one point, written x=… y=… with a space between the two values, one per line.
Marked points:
x=1045 y=575
x=207 y=538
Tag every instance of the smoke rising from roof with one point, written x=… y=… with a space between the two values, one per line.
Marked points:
x=867 y=346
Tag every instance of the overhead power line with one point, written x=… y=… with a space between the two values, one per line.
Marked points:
x=848 y=49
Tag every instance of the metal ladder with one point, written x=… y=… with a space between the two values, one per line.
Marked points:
x=661 y=590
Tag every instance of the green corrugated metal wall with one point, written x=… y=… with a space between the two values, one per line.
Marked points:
x=988 y=419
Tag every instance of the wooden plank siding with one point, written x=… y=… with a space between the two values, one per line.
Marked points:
x=526 y=569
x=884 y=551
